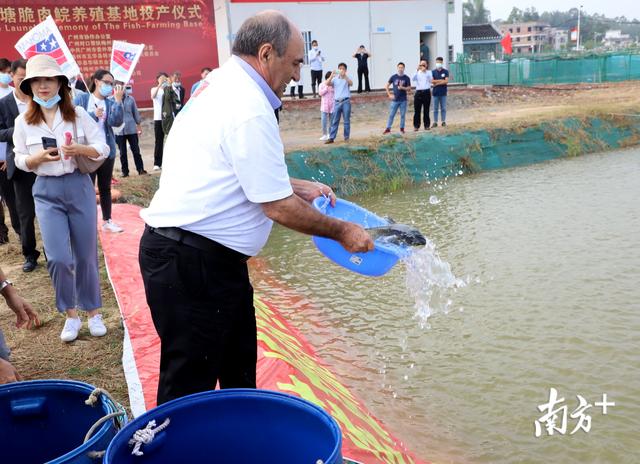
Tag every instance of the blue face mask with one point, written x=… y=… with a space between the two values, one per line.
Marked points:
x=48 y=104
x=106 y=90
x=5 y=78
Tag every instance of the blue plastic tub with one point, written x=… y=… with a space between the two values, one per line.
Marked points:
x=234 y=426
x=373 y=263
x=45 y=421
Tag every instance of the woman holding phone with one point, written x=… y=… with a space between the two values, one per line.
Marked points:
x=64 y=198
x=109 y=113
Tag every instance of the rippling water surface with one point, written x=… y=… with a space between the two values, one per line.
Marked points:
x=552 y=256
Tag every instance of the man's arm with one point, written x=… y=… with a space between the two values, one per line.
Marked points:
x=349 y=81
x=295 y=213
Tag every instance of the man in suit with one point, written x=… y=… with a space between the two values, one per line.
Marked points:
x=6 y=188
x=10 y=107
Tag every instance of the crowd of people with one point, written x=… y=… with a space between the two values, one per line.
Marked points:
x=334 y=90
x=60 y=140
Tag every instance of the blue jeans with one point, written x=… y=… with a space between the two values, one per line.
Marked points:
x=342 y=108
x=66 y=211
x=393 y=108
x=440 y=101
x=326 y=122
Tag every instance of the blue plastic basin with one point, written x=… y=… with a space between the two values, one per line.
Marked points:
x=47 y=420
x=234 y=426
x=372 y=263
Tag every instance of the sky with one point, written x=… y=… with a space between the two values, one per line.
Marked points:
x=500 y=9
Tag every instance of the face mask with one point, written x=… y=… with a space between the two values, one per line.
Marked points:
x=5 y=78
x=106 y=90
x=128 y=91
x=48 y=104
x=438 y=65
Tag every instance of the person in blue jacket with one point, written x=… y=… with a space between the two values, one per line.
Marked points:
x=109 y=113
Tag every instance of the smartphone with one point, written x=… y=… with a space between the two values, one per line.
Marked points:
x=49 y=142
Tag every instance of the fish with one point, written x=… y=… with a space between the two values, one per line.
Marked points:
x=398 y=234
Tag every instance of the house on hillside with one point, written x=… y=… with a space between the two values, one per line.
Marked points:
x=481 y=42
x=616 y=39
x=528 y=37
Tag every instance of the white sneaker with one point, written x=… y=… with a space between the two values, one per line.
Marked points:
x=71 y=328
x=156 y=168
x=96 y=326
x=110 y=226
x=324 y=137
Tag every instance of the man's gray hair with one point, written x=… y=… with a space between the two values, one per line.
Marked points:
x=268 y=27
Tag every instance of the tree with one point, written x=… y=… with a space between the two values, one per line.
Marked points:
x=475 y=12
x=515 y=16
x=530 y=14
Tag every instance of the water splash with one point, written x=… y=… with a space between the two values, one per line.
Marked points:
x=429 y=280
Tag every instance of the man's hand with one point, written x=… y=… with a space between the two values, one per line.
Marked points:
x=99 y=112
x=25 y=315
x=8 y=373
x=139 y=129
x=355 y=239
x=309 y=191
x=118 y=94
x=3 y=166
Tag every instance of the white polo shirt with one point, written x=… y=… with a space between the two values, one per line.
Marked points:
x=223 y=157
x=157 y=104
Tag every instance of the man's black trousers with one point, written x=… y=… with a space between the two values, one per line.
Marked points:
x=421 y=104
x=201 y=303
x=316 y=79
x=363 y=72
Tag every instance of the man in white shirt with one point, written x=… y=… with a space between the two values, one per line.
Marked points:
x=225 y=182
x=315 y=63
x=157 y=94
x=422 y=99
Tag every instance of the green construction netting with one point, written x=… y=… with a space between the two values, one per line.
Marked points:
x=549 y=70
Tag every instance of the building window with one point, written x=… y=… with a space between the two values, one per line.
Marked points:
x=511 y=29
x=529 y=29
x=306 y=35
x=529 y=39
x=451 y=54
x=517 y=39
x=451 y=7
x=517 y=29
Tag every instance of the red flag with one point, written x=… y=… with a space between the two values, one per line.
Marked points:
x=506 y=44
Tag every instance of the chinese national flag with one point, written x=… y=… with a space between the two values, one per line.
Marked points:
x=506 y=44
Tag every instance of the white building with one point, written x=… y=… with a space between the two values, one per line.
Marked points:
x=616 y=39
x=558 y=38
x=392 y=30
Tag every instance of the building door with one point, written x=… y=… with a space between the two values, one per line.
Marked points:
x=382 y=60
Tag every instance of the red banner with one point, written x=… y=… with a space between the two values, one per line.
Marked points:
x=179 y=35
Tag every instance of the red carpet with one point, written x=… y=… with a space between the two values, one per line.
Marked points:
x=286 y=362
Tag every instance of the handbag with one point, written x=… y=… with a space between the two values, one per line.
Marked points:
x=85 y=164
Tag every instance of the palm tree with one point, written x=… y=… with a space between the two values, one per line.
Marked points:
x=475 y=12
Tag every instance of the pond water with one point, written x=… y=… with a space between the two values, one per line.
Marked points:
x=552 y=256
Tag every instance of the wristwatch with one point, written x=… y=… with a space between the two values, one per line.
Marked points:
x=4 y=284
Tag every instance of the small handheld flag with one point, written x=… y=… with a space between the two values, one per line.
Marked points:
x=45 y=39
x=124 y=57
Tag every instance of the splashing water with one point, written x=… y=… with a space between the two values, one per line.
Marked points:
x=429 y=281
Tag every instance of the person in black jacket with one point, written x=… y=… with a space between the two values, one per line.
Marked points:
x=176 y=85
x=362 y=55
x=10 y=107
